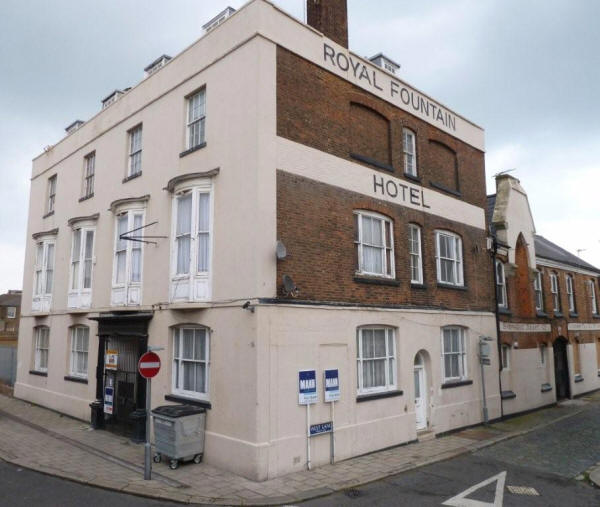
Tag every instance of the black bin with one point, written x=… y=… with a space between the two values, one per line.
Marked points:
x=138 y=420
x=97 y=419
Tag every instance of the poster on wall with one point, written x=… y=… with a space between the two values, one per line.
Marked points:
x=307 y=387
x=332 y=386
x=108 y=399
x=111 y=359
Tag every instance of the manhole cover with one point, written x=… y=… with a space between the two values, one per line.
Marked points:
x=352 y=493
x=522 y=490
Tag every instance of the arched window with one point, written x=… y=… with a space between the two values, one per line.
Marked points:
x=80 y=336
x=593 y=300
x=409 y=143
x=376 y=359
x=501 y=285
x=191 y=360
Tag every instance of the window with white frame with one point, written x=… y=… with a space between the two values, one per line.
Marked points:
x=501 y=285
x=543 y=351
x=571 y=293
x=593 y=300
x=82 y=255
x=410 y=152
x=555 y=292
x=44 y=268
x=196 y=118
x=376 y=359
x=89 y=172
x=42 y=345
x=79 y=351
x=51 y=194
x=191 y=360
x=449 y=258
x=11 y=312
x=135 y=151
x=505 y=357
x=191 y=258
x=127 y=265
x=375 y=243
x=454 y=354
x=416 y=256
x=537 y=289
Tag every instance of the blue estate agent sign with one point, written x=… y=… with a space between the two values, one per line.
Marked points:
x=307 y=387
x=318 y=429
x=332 y=386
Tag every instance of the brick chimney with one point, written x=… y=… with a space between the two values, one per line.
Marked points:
x=330 y=17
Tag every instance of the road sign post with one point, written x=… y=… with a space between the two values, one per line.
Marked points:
x=307 y=394
x=332 y=394
x=148 y=366
x=484 y=359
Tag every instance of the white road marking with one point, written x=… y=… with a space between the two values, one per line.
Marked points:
x=460 y=500
x=149 y=365
x=522 y=490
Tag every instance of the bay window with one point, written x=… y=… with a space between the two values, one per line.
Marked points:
x=375 y=243
x=449 y=258
x=191 y=353
x=192 y=238
x=454 y=354
x=376 y=359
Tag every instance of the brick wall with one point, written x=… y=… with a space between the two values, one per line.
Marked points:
x=314 y=108
x=316 y=223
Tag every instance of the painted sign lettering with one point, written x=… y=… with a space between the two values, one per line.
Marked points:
x=319 y=429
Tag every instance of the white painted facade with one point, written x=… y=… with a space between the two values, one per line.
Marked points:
x=255 y=426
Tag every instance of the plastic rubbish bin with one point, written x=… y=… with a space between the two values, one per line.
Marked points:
x=179 y=433
x=138 y=431
x=97 y=418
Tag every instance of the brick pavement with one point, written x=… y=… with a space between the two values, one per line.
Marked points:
x=43 y=440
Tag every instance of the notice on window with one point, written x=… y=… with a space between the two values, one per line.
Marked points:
x=111 y=359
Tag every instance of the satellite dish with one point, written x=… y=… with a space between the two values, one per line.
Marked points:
x=289 y=287
x=280 y=251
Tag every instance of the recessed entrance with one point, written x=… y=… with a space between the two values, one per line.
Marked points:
x=420 y=393
x=561 y=368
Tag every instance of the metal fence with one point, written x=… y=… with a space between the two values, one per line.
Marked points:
x=8 y=364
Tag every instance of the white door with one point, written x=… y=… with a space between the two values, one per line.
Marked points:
x=420 y=397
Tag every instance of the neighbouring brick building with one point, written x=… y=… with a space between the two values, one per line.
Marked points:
x=549 y=318
x=263 y=203
x=10 y=312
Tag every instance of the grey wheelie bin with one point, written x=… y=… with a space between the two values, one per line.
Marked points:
x=179 y=433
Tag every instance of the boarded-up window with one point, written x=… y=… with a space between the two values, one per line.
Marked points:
x=369 y=135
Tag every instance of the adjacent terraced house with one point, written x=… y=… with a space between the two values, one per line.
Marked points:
x=266 y=202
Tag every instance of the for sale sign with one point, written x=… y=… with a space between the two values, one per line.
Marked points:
x=332 y=385
x=307 y=387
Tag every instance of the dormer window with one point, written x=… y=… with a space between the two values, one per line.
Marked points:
x=385 y=63
x=218 y=19
x=113 y=97
x=157 y=64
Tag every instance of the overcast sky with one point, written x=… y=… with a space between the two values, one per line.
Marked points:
x=526 y=71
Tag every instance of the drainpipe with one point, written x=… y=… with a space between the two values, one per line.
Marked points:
x=498 y=343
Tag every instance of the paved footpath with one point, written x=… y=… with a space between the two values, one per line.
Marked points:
x=45 y=441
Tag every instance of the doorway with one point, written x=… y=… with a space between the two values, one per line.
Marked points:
x=420 y=393
x=561 y=369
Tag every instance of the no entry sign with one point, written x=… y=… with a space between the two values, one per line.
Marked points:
x=149 y=365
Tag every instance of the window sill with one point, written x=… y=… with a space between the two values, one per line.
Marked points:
x=80 y=380
x=558 y=314
x=508 y=395
x=192 y=150
x=443 y=285
x=578 y=378
x=376 y=281
x=49 y=214
x=416 y=179
x=418 y=286
x=443 y=188
x=504 y=311
x=573 y=314
x=596 y=316
x=38 y=373
x=541 y=314
x=372 y=161
x=131 y=177
x=86 y=197
x=546 y=388
x=378 y=396
x=188 y=401
x=458 y=383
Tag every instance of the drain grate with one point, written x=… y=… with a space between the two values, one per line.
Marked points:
x=522 y=490
x=352 y=493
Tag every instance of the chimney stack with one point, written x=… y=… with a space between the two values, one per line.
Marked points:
x=330 y=17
